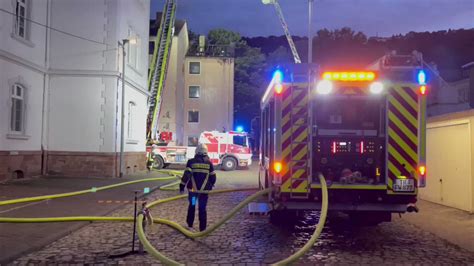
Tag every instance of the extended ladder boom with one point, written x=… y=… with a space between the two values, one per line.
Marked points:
x=296 y=57
x=159 y=66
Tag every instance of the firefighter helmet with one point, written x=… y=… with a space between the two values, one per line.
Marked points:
x=201 y=149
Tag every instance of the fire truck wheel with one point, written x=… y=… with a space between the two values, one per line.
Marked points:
x=158 y=162
x=229 y=164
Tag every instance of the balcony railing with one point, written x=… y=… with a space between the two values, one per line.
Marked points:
x=213 y=51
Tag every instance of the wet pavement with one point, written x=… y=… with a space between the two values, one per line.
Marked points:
x=251 y=239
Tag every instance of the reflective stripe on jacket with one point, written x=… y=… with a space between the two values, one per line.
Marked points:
x=199 y=175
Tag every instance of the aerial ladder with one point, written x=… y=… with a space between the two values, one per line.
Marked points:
x=275 y=3
x=159 y=66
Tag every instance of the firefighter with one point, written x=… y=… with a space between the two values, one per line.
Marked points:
x=199 y=178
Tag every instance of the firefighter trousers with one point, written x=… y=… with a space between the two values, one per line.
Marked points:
x=200 y=200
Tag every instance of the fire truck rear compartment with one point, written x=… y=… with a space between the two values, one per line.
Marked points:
x=349 y=140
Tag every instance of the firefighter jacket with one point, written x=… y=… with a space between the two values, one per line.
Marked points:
x=199 y=175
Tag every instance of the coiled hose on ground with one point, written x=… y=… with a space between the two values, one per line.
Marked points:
x=141 y=234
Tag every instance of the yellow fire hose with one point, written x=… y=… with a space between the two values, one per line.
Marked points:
x=141 y=234
x=167 y=261
x=69 y=194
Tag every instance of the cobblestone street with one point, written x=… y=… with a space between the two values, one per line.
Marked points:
x=250 y=239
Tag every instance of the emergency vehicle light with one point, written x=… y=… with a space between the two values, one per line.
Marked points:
x=421 y=77
x=277 y=166
x=278 y=88
x=423 y=90
x=324 y=87
x=422 y=170
x=376 y=87
x=349 y=76
x=278 y=76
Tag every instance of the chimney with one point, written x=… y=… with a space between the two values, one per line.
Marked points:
x=202 y=43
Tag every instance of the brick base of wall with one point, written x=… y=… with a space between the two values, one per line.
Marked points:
x=23 y=164
x=94 y=164
x=19 y=164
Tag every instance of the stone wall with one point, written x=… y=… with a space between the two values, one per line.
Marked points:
x=25 y=164
x=19 y=164
x=94 y=164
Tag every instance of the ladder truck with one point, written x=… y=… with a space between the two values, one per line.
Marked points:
x=364 y=131
x=158 y=68
x=292 y=45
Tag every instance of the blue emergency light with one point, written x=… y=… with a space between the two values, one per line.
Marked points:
x=421 y=77
x=278 y=76
x=240 y=129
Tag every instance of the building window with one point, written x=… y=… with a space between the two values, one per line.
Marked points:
x=133 y=49
x=17 y=119
x=194 y=67
x=21 y=11
x=131 y=113
x=194 y=91
x=193 y=116
x=192 y=141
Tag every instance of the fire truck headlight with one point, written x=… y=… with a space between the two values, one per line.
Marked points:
x=324 y=87
x=376 y=87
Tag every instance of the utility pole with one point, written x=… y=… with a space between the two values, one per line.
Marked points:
x=310 y=35
x=122 y=113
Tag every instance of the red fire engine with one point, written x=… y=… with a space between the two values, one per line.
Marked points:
x=225 y=149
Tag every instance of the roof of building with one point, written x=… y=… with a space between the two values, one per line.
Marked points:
x=155 y=24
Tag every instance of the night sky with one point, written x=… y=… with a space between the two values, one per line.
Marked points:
x=373 y=17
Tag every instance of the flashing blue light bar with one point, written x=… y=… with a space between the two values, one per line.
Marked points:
x=240 y=129
x=421 y=77
x=278 y=76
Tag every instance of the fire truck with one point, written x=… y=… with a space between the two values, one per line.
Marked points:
x=228 y=150
x=363 y=130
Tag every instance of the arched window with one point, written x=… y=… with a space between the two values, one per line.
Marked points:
x=17 y=119
x=131 y=113
x=21 y=14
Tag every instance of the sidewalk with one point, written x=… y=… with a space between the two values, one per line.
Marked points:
x=18 y=239
x=451 y=224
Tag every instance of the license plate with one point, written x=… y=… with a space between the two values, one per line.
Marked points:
x=404 y=185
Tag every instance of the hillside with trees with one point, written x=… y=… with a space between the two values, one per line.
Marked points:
x=448 y=50
x=255 y=58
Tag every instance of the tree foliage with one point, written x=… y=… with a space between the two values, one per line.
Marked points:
x=346 y=48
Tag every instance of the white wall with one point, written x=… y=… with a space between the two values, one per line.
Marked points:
x=11 y=73
x=75 y=114
x=83 y=77
x=85 y=86
x=136 y=15
x=22 y=61
x=138 y=140
x=33 y=49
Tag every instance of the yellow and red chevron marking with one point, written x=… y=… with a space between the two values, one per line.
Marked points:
x=403 y=141
x=294 y=135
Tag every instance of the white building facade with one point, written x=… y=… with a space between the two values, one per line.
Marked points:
x=61 y=84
